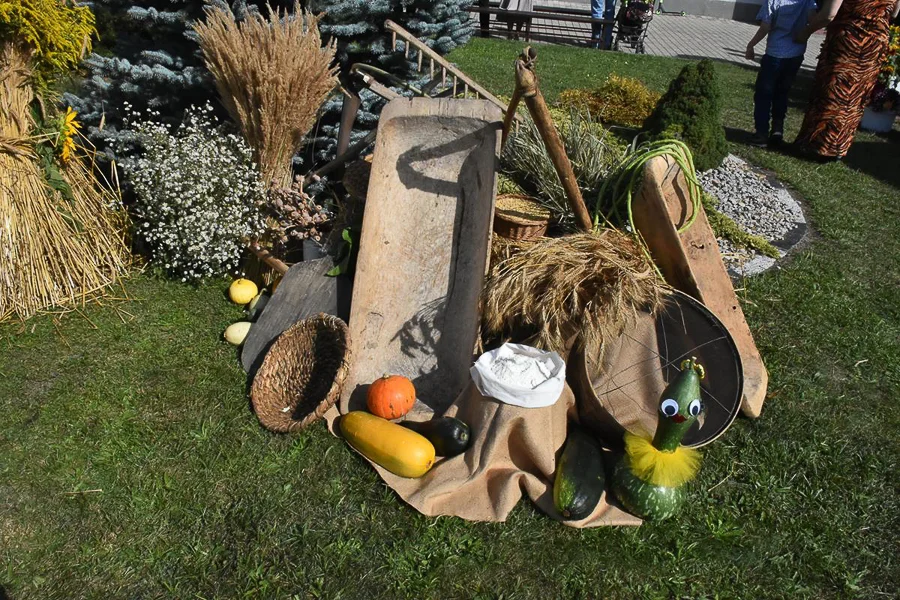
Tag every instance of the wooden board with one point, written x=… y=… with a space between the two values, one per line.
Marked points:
x=424 y=247
x=691 y=262
x=304 y=291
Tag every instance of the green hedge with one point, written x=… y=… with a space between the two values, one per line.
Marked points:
x=691 y=110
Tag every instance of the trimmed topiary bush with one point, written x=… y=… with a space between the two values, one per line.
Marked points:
x=691 y=110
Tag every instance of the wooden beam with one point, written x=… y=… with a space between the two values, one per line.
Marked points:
x=690 y=261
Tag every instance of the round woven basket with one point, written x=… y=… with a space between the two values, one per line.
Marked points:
x=302 y=374
x=519 y=217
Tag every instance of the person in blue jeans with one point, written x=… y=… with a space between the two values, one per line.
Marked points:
x=601 y=35
x=779 y=22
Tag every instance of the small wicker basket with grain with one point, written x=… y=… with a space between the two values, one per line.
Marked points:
x=519 y=217
x=302 y=374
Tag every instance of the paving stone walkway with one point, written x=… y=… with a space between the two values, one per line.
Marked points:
x=693 y=37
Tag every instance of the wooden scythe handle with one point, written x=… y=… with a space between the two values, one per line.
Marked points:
x=510 y=115
x=265 y=256
x=527 y=88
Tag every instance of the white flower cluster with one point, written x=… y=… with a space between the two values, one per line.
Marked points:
x=198 y=194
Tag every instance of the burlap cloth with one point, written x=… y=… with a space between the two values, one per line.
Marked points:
x=619 y=388
x=514 y=450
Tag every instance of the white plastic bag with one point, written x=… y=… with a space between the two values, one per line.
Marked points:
x=545 y=393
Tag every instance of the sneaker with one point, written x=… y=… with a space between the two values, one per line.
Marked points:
x=776 y=138
x=760 y=140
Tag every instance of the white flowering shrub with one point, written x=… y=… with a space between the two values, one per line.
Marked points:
x=198 y=194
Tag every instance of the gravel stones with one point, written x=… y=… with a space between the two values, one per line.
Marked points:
x=759 y=206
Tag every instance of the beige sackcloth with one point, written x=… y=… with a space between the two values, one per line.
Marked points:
x=514 y=450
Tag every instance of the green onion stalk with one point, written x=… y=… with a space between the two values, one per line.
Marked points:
x=620 y=187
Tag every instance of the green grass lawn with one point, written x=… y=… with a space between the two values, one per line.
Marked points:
x=198 y=501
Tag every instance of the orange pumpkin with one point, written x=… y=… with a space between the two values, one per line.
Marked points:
x=391 y=396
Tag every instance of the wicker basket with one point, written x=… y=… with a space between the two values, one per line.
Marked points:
x=519 y=217
x=302 y=374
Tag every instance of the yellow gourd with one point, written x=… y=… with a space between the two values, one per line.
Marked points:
x=242 y=291
x=399 y=450
x=236 y=333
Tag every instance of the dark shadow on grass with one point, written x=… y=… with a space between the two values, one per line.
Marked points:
x=696 y=57
x=738 y=136
x=877 y=159
x=3 y=594
x=873 y=158
x=738 y=54
x=743 y=137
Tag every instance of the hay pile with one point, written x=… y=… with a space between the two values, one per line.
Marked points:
x=53 y=250
x=504 y=248
x=586 y=286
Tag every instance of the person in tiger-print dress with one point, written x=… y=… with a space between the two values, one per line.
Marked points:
x=855 y=45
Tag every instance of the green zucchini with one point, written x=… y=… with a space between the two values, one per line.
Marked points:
x=579 y=481
x=449 y=436
x=642 y=499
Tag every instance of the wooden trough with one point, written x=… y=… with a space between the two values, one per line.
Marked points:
x=424 y=247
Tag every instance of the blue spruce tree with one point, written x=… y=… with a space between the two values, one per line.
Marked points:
x=358 y=27
x=151 y=61
x=148 y=59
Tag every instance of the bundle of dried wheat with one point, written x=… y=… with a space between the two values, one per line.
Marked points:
x=503 y=249
x=272 y=75
x=55 y=249
x=588 y=286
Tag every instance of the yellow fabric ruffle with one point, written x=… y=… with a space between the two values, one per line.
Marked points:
x=669 y=469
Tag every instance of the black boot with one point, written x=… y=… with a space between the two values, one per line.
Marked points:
x=776 y=137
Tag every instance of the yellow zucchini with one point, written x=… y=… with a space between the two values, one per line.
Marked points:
x=399 y=450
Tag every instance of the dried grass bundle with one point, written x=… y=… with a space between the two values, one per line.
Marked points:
x=504 y=248
x=588 y=285
x=272 y=75
x=53 y=250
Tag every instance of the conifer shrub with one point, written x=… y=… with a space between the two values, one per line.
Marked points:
x=691 y=110
x=358 y=29
x=620 y=101
x=149 y=58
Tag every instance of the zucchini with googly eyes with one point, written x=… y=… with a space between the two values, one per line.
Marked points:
x=650 y=477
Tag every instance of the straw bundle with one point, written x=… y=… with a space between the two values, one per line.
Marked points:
x=53 y=251
x=503 y=248
x=588 y=286
x=272 y=75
